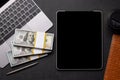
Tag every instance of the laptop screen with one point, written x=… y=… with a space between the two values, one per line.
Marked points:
x=2 y=2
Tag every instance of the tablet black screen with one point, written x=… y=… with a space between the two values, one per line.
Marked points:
x=79 y=40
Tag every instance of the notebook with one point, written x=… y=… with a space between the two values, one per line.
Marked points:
x=112 y=70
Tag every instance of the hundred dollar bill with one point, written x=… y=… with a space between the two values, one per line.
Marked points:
x=32 y=39
x=24 y=51
x=17 y=61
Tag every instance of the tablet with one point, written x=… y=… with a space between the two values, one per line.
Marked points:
x=79 y=40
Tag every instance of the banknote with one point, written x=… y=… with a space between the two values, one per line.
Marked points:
x=32 y=39
x=17 y=61
x=18 y=51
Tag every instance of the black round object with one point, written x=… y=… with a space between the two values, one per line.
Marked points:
x=114 y=21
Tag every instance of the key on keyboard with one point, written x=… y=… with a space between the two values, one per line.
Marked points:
x=15 y=16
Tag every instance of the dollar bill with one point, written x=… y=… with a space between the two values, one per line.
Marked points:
x=32 y=39
x=17 y=61
x=18 y=51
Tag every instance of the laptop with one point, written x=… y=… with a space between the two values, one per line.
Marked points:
x=23 y=14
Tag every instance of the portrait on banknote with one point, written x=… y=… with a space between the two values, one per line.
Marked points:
x=29 y=38
x=25 y=37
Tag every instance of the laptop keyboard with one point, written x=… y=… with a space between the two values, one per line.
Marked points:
x=15 y=16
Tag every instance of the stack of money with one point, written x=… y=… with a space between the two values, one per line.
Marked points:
x=28 y=46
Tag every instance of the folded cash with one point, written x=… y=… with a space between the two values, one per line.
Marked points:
x=17 y=61
x=24 y=51
x=32 y=39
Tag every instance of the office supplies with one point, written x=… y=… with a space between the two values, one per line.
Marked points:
x=23 y=14
x=79 y=40
x=22 y=68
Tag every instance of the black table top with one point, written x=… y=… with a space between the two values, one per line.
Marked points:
x=46 y=69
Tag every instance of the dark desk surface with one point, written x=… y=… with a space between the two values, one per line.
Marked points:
x=46 y=69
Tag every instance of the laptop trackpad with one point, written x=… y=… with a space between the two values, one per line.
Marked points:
x=40 y=23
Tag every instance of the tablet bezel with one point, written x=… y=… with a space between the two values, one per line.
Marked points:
x=100 y=68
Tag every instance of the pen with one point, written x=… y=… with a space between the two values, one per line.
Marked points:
x=22 y=68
